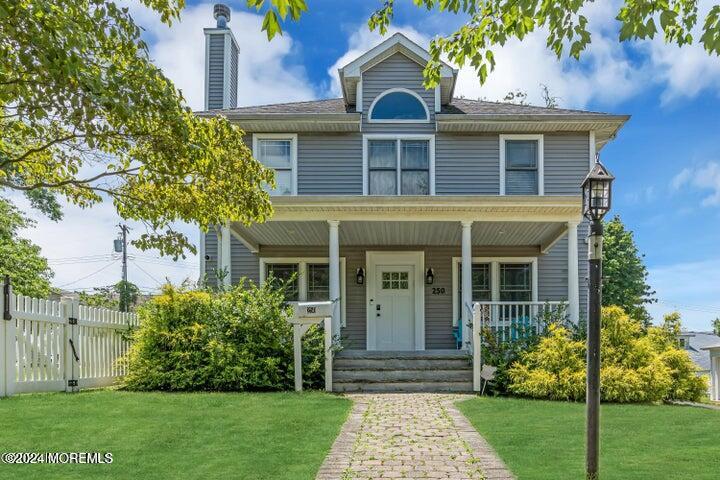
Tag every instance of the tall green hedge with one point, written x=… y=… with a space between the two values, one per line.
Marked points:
x=638 y=365
x=234 y=340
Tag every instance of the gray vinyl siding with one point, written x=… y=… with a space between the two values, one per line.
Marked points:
x=567 y=161
x=553 y=271
x=233 y=76
x=396 y=71
x=467 y=165
x=330 y=164
x=216 y=64
x=211 y=253
x=244 y=262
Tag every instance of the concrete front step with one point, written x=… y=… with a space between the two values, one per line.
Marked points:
x=343 y=363
x=413 y=371
x=403 y=387
x=404 y=375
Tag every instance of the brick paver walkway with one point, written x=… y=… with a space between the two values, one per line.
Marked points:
x=410 y=436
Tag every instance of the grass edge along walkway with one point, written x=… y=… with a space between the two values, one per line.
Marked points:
x=543 y=440
x=174 y=435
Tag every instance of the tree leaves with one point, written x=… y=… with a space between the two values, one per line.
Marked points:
x=19 y=257
x=277 y=12
x=624 y=272
x=88 y=117
x=491 y=23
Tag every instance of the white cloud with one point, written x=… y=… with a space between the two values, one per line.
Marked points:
x=691 y=288
x=687 y=71
x=362 y=40
x=267 y=72
x=703 y=177
x=610 y=77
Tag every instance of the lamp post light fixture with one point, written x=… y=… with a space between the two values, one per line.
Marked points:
x=597 y=196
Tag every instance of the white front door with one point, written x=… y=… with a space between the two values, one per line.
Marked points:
x=395 y=307
x=395 y=301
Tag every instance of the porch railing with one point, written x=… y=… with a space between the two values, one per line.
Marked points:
x=509 y=322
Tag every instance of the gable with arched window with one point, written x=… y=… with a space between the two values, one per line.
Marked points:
x=399 y=105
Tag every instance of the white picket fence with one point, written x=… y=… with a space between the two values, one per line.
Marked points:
x=48 y=346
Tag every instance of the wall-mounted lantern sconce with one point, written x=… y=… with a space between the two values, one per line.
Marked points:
x=429 y=276
x=360 y=276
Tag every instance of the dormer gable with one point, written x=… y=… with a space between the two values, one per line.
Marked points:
x=351 y=74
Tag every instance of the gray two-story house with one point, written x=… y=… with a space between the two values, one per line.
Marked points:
x=409 y=205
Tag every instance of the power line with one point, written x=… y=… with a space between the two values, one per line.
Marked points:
x=88 y=276
x=146 y=273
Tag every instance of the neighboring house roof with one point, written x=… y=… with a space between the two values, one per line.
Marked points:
x=697 y=341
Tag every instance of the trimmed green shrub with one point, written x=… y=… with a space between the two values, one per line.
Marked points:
x=638 y=365
x=232 y=340
x=503 y=353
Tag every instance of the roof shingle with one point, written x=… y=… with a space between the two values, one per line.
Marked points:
x=458 y=106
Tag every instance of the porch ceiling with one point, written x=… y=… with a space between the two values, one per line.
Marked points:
x=373 y=233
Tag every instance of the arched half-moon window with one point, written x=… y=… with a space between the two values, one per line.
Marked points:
x=399 y=105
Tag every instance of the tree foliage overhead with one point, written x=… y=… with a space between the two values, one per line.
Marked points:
x=20 y=258
x=492 y=23
x=625 y=277
x=85 y=115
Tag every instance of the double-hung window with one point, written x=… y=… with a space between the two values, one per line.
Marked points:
x=496 y=279
x=521 y=164
x=278 y=152
x=515 y=282
x=318 y=282
x=304 y=278
x=399 y=166
x=285 y=274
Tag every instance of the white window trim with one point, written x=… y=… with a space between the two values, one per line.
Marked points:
x=494 y=278
x=397 y=138
x=293 y=152
x=302 y=276
x=540 y=161
x=392 y=120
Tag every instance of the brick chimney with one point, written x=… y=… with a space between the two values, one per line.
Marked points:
x=221 y=62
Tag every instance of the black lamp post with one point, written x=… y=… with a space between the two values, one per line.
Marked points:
x=597 y=195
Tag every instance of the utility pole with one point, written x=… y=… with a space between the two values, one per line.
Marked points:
x=123 y=248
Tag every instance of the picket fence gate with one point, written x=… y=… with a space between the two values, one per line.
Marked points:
x=49 y=346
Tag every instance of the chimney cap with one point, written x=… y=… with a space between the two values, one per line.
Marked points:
x=221 y=13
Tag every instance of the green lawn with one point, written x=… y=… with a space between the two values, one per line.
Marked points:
x=546 y=440
x=174 y=436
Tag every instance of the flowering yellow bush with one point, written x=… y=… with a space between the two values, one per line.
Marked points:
x=638 y=365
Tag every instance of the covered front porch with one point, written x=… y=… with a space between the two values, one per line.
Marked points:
x=404 y=271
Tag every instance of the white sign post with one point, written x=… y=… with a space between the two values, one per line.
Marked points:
x=304 y=315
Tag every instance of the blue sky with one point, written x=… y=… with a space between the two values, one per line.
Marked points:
x=666 y=159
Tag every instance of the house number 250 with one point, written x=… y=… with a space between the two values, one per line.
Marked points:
x=438 y=291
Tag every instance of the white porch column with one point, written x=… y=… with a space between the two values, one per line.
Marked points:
x=334 y=273
x=224 y=262
x=466 y=281
x=573 y=281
